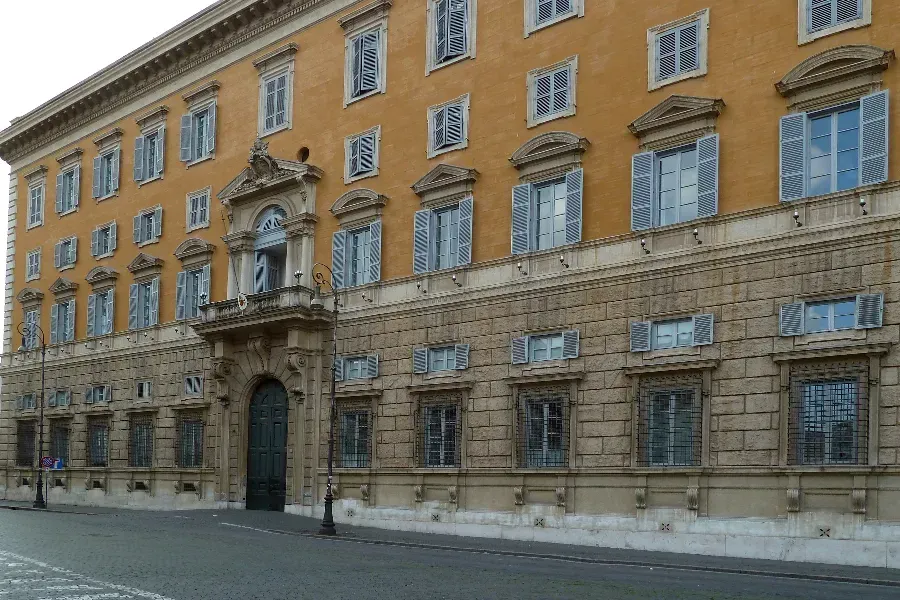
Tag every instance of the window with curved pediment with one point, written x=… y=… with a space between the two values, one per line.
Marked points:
x=270 y=250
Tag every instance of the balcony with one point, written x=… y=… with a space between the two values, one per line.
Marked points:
x=274 y=309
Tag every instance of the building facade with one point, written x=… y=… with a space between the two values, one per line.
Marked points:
x=606 y=274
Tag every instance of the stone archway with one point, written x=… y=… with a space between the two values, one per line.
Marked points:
x=267 y=447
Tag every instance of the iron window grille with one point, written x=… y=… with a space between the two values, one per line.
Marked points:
x=25 y=444
x=670 y=422
x=140 y=441
x=354 y=432
x=543 y=424
x=190 y=440
x=59 y=441
x=829 y=414
x=98 y=442
x=439 y=432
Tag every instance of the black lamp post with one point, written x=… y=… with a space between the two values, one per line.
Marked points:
x=33 y=330
x=320 y=277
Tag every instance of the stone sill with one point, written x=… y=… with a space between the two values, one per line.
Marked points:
x=737 y=471
x=832 y=351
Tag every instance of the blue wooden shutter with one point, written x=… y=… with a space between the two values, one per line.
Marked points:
x=281 y=100
x=139 y=158
x=110 y=311
x=790 y=319
x=420 y=360
x=372 y=366
x=457 y=28
x=211 y=128
x=440 y=30
x=59 y=193
x=545 y=10
x=356 y=66
x=97 y=177
x=186 y=131
x=561 y=96
x=204 y=296
x=89 y=395
x=874 y=138
x=456 y=128
x=869 y=310
x=338 y=368
x=820 y=14
x=91 y=314
x=160 y=150
x=464 y=236
x=354 y=157
x=136 y=231
x=57 y=255
x=574 y=192
x=133 y=302
x=113 y=235
x=54 y=324
x=180 y=285
x=338 y=249
x=461 y=357
x=422 y=241
x=367 y=153
x=521 y=218
x=792 y=157
x=154 y=301
x=708 y=176
x=570 y=343
x=76 y=184
x=375 y=252
x=371 y=52
x=70 y=320
x=519 y=350
x=157 y=221
x=95 y=242
x=640 y=336
x=703 y=330
x=116 y=156
x=543 y=96
x=439 y=130
x=667 y=55
x=642 y=190
x=73 y=251
x=689 y=47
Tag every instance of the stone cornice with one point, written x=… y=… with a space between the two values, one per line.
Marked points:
x=667 y=367
x=675 y=110
x=548 y=146
x=153 y=117
x=281 y=54
x=70 y=156
x=203 y=92
x=373 y=10
x=837 y=352
x=835 y=64
x=108 y=137
x=38 y=172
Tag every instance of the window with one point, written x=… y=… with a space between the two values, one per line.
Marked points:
x=190 y=440
x=543 y=427
x=35 y=205
x=103 y=240
x=192 y=292
x=678 y=50
x=198 y=134
x=30 y=337
x=148 y=155
x=148 y=226
x=539 y=348
x=672 y=333
x=551 y=92
x=98 y=443
x=66 y=253
x=358 y=259
x=354 y=438
x=143 y=304
x=677 y=186
x=59 y=441
x=819 y=18
x=670 y=418
x=140 y=441
x=198 y=209
x=106 y=174
x=440 y=429
x=544 y=13
x=25 y=402
x=101 y=313
x=33 y=265
x=143 y=390
x=834 y=150
x=451 y=32
x=864 y=311
x=443 y=237
x=365 y=57
x=276 y=84
x=59 y=398
x=67 y=184
x=275 y=102
x=271 y=251
x=97 y=394
x=356 y=367
x=62 y=322
x=193 y=385
x=547 y=214
x=442 y=358
x=362 y=155
x=25 y=444
x=448 y=126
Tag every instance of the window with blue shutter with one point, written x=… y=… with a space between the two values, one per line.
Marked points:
x=864 y=311
x=822 y=14
x=197 y=134
x=543 y=347
x=442 y=238
x=362 y=154
x=365 y=63
x=673 y=333
x=451 y=29
x=678 y=51
x=552 y=93
x=448 y=126
x=547 y=214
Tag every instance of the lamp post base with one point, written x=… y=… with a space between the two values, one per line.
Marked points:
x=328 y=520
x=39 y=501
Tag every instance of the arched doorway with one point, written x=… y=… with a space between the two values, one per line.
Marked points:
x=267 y=447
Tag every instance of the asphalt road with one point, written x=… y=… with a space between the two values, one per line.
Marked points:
x=238 y=555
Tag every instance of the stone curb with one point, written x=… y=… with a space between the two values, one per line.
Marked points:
x=47 y=510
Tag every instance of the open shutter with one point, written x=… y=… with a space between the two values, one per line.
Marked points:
x=185 y=145
x=260 y=272
x=464 y=236
x=20 y=403
x=375 y=251
x=57 y=255
x=574 y=191
x=874 y=138
x=792 y=157
x=570 y=344
x=95 y=238
x=136 y=223
x=204 y=296
x=96 y=183
x=157 y=222
x=139 y=158
x=461 y=357
x=421 y=241
x=869 y=310
x=703 y=330
x=133 y=301
x=708 y=176
x=456 y=129
x=110 y=311
x=640 y=336
x=92 y=302
x=519 y=350
x=113 y=235
x=370 y=59
x=356 y=66
x=420 y=360
x=59 y=193
x=440 y=30
x=372 y=366
x=642 y=191
x=439 y=128
x=73 y=251
x=54 y=324
x=366 y=153
x=211 y=129
x=790 y=319
x=160 y=150
x=89 y=395
x=561 y=81
x=180 y=283
x=338 y=249
x=76 y=184
x=338 y=368
x=154 y=301
x=521 y=218
x=457 y=18
x=51 y=399
x=70 y=320
x=116 y=156
x=354 y=168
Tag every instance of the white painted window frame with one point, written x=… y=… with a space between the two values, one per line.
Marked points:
x=192 y=379
x=379 y=24
x=207 y=191
x=376 y=159
x=154 y=238
x=108 y=227
x=805 y=37
x=531 y=11
x=66 y=171
x=104 y=151
x=29 y=276
x=572 y=64
x=73 y=240
x=465 y=102
x=41 y=185
x=194 y=110
x=431 y=39
x=266 y=73
x=703 y=54
x=143 y=390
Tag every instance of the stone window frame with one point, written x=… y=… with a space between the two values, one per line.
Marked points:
x=110 y=142
x=32 y=277
x=703 y=54
x=150 y=123
x=113 y=232
x=200 y=379
x=71 y=162
x=145 y=269
x=530 y=84
x=73 y=239
x=30 y=299
x=357 y=403
x=157 y=212
x=376 y=158
x=36 y=179
x=430 y=41
x=189 y=197
x=196 y=254
x=103 y=280
x=198 y=100
x=805 y=37
x=463 y=100
x=370 y=17
x=531 y=24
x=274 y=64
x=437 y=395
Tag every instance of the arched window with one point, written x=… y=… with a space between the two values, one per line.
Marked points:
x=271 y=250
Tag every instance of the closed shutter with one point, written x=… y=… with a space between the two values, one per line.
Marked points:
x=874 y=138
x=280 y=100
x=154 y=301
x=464 y=236
x=139 y=158
x=792 y=157
x=76 y=184
x=160 y=150
x=519 y=350
x=95 y=239
x=457 y=28
x=561 y=95
x=521 y=218
x=708 y=176
x=421 y=241
x=545 y=10
x=186 y=131
x=375 y=251
x=420 y=360
x=91 y=314
x=689 y=47
x=640 y=336
x=116 y=156
x=461 y=357
x=703 y=330
x=574 y=192
x=820 y=14
x=113 y=236
x=543 y=96
x=439 y=131
x=51 y=399
x=372 y=366
x=456 y=129
x=54 y=324
x=570 y=344
x=70 y=320
x=869 y=310
x=338 y=249
x=204 y=297
x=211 y=128
x=367 y=153
x=642 y=191
x=136 y=223
x=157 y=221
x=667 y=55
x=440 y=30
x=97 y=178
x=790 y=319
x=110 y=311
x=59 y=193
x=338 y=368
x=133 y=302
x=180 y=284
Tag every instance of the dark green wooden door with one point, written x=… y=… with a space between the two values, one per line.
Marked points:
x=266 y=459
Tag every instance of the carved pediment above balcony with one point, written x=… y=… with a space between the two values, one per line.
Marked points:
x=63 y=287
x=676 y=120
x=102 y=276
x=358 y=207
x=266 y=174
x=145 y=265
x=193 y=251
x=29 y=297
x=445 y=183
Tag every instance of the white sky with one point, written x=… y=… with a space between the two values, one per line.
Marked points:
x=49 y=46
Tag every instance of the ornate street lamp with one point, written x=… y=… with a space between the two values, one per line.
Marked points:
x=323 y=275
x=31 y=331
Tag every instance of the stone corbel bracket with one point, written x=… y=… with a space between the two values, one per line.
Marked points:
x=258 y=349
x=858 y=501
x=364 y=492
x=519 y=495
x=418 y=492
x=561 y=496
x=221 y=370
x=793 y=500
x=640 y=497
x=453 y=493
x=296 y=364
x=692 y=498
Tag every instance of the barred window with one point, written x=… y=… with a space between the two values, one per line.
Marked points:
x=439 y=432
x=98 y=442
x=829 y=413
x=59 y=441
x=543 y=427
x=671 y=418
x=25 y=444
x=140 y=441
x=190 y=440
x=354 y=435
